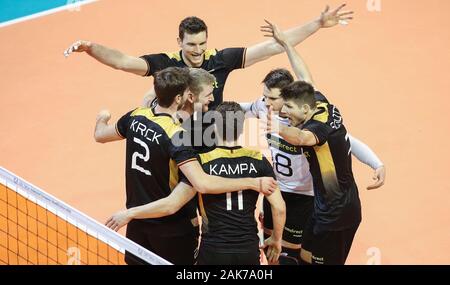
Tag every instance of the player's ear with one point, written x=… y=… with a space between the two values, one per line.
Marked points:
x=191 y=98
x=306 y=108
x=180 y=42
x=178 y=99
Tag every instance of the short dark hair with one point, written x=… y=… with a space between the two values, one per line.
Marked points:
x=301 y=92
x=232 y=117
x=278 y=78
x=169 y=83
x=191 y=25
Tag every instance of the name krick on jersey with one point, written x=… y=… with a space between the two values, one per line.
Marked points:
x=147 y=133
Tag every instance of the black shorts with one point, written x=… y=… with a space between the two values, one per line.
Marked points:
x=299 y=209
x=329 y=247
x=209 y=255
x=177 y=249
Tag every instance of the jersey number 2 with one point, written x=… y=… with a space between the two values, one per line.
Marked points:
x=145 y=157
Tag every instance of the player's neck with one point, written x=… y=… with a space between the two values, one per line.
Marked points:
x=172 y=110
x=310 y=114
x=222 y=142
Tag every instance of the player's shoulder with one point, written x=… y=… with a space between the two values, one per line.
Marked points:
x=173 y=55
x=252 y=153
x=142 y=111
x=230 y=153
x=323 y=112
x=169 y=126
x=209 y=53
x=320 y=97
x=164 y=121
x=230 y=51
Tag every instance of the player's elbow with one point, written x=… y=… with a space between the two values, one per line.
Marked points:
x=171 y=207
x=202 y=188
x=99 y=138
x=201 y=183
x=169 y=210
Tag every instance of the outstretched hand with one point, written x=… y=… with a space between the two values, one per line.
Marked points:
x=330 y=19
x=272 y=30
x=272 y=123
x=78 y=46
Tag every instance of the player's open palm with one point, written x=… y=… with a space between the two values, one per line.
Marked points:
x=78 y=46
x=330 y=19
x=272 y=30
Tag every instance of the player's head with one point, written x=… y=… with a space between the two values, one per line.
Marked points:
x=171 y=86
x=229 y=121
x=274 y=81
x=201 y=86
x=299 y=101
x=192 y=38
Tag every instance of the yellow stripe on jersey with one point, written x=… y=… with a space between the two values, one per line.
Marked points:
x=322 y=116
x=327 y=168
x=165 y=122
x=173 y=55
x=141 y=111
x=209 y=53
x=228 y=153
x=202 y=209
x=173 y=174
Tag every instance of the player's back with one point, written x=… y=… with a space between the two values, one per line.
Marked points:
x=228 y=220
x=152 y=158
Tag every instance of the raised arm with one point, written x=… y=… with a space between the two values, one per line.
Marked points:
x=103 y=132
x=209 y=184
x=256 y=109
x=110 y=57
x=148 y=98
x=169 y=205
x=297 y=63
x=296 y=35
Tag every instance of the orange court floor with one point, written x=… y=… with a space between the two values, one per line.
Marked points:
x=387 y=71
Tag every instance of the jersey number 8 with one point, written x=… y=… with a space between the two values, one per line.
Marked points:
x=283 y=165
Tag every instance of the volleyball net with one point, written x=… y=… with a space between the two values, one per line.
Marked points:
x=37 y=228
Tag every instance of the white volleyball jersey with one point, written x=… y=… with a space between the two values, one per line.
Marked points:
x=289 y=164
